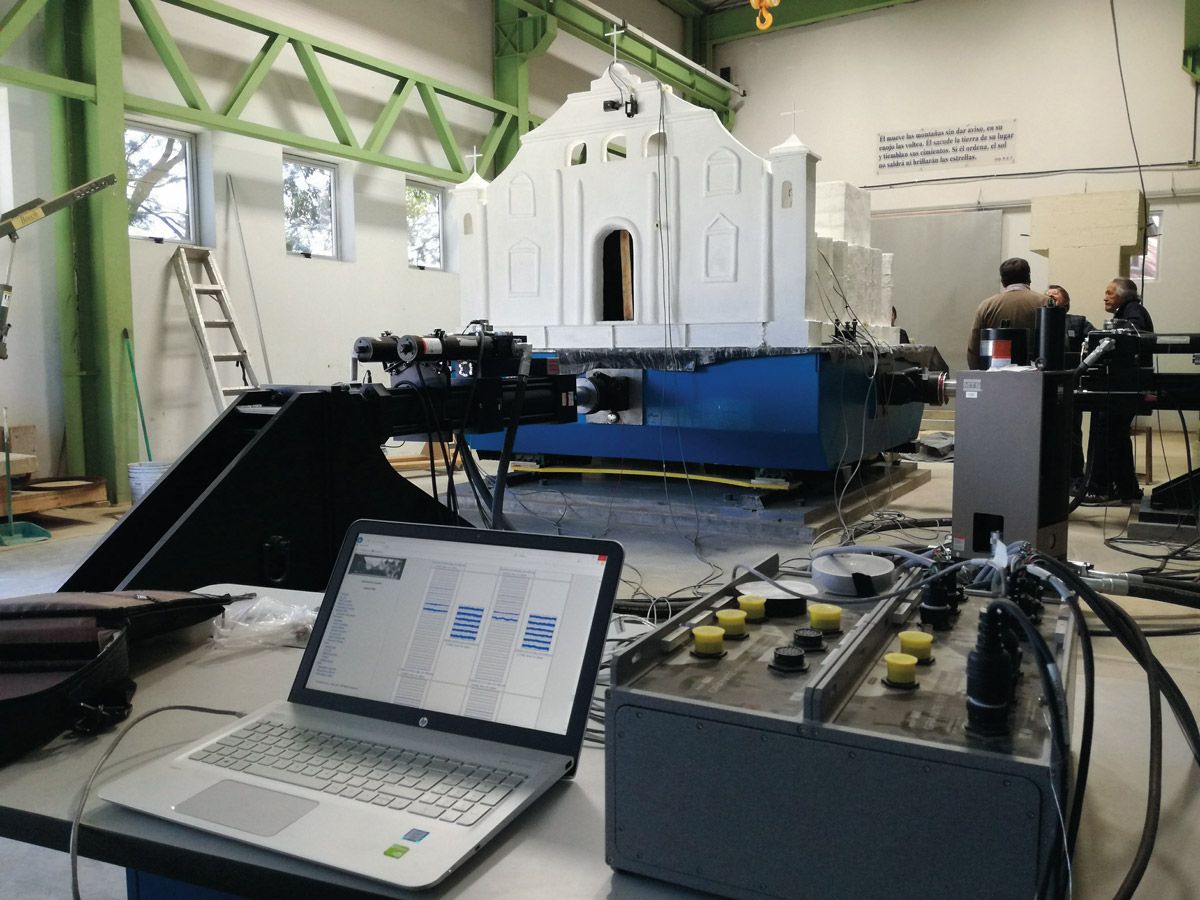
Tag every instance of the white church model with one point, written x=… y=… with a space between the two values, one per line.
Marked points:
x=660 y=229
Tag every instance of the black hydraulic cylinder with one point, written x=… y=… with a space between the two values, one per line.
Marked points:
x=1052 y=337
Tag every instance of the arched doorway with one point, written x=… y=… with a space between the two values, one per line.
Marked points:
x=617 y=267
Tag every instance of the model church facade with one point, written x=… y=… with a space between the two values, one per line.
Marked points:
x=660 y=229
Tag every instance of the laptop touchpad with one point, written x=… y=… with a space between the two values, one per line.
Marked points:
x=246 y=807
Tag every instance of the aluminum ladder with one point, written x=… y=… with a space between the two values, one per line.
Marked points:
x=211 y=292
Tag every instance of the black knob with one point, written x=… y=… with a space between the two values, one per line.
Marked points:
x=937 y=616
x=789 y=659
x=808 y=639
x=786 y=607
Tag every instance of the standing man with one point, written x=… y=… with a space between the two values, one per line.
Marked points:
x=1015 y=306
x=1122 y=303
x=1113 y=475
x=1077 y=328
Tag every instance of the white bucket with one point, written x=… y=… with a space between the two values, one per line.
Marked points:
x=142 y=476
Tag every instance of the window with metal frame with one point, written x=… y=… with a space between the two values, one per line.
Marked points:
x=1145 y=266
x=310 y=207
x=161 y=190
x=423 y=203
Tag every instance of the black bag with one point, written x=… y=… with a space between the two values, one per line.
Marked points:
x=64 y=658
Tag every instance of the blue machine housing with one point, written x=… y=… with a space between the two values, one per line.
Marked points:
x=811 y=409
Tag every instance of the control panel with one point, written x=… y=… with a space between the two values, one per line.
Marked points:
x=825 y=747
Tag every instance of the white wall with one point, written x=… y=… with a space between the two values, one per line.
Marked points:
x=1051 y=66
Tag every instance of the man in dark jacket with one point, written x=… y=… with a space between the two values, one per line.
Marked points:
x=1122 y=303
x=1113 y=475
x=1077 y=329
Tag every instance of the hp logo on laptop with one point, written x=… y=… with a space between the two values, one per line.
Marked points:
x=423 y=721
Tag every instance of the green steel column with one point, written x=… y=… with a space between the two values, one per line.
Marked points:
x=95 y=142
x=518 y=38
x=109 y=391
x=1191 y=38
x=70 y=362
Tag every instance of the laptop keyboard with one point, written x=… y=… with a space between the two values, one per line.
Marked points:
x=449 y=790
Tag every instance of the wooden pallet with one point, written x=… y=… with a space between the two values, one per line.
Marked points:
x=55 y=493
x=419 y=462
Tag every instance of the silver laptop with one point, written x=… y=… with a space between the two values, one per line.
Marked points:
x=445 y=687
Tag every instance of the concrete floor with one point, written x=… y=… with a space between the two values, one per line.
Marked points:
x=660 y=559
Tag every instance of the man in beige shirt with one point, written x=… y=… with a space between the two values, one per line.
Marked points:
x=1014 y=307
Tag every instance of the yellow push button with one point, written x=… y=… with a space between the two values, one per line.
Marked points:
x=708 y=641
x=825 y=617
x=754 y=606
x=734 y=623
x=918 y=644
x=901 y=671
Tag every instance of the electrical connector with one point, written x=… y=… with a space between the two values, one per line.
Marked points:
x=989 y=679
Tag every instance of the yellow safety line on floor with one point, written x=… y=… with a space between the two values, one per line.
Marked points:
x=715 y=479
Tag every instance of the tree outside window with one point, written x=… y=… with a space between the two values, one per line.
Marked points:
x=159 y=192
x=308 y=207
x=424 y=208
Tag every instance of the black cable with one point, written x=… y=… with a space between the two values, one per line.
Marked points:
x=1106 y=611
x=510 y=437
x=1087 y=729
x=1154 y=788
x=441 y=430
x=460 y=437
x=427 y=412
x=1054 y=696
x=635 y=606
x=1119 y=622
x=1187 y=449
x=1164 y=594
x=1168 y=581
x=482 y=492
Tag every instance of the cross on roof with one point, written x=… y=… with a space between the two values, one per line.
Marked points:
x=474 y=156
x=614 y=34
x=794 y=113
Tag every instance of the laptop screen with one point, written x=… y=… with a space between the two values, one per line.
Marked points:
x=493 y=631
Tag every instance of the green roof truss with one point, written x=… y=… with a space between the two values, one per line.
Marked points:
x=195 y=109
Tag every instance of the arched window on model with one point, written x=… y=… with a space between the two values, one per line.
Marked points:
x=579 y=154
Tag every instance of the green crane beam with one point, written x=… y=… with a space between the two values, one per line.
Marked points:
x=593 y=25
x=1191 y=38
x=685 y=8
x=738 y=21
